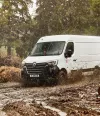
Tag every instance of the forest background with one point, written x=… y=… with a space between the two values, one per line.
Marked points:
x=19 y=30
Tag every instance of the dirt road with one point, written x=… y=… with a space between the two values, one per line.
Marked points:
x=78 y=99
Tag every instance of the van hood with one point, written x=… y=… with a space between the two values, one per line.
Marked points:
x=40 y=59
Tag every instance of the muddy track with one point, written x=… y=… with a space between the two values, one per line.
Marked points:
x=73 y=99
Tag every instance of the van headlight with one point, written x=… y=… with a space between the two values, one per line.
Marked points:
x=53 y=62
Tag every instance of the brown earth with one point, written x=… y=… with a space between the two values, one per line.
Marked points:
x=77 y=99
x=21 y=108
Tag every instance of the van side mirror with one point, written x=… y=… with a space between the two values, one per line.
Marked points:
x=68 y=53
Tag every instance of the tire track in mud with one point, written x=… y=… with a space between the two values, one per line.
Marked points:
x=78 y=101
x=72 y=99
x=10 y=94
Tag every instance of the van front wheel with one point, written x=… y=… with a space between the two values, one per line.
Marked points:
x=62 y=78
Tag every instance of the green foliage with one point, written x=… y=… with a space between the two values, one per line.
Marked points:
x=96 y=7
x=68 y=17
x=15 y=22
x=95 y=15
x=18 y=29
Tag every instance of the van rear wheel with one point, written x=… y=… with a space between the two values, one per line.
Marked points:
x=62 y=78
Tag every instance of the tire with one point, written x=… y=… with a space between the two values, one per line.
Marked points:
x=62 y=78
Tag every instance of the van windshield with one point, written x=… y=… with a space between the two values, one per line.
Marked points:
x=48 y=48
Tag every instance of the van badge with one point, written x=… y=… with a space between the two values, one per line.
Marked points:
x=34 y=64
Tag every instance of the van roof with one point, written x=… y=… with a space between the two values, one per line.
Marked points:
x=78 y=38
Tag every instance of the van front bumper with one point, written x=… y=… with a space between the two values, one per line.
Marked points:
x=48 y=72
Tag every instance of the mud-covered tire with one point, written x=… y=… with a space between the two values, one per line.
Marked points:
x=62 y=78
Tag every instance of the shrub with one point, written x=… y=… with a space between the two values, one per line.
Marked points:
x=10 y=61
x=9 y=74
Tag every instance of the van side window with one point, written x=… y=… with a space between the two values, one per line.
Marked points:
x=70 y=46
x=69 y=49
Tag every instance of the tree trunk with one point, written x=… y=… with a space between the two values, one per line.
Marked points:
x=8 y=50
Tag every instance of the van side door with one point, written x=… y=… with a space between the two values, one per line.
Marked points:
x=70 y=57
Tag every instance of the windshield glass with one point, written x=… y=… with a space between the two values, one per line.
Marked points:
x=48 y=48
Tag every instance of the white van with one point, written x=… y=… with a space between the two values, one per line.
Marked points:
x=58 y=55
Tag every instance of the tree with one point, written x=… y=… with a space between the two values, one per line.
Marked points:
x=15 y=23
x=18 y=29
x=61 y=16
x=68 y=17
x=95 y=8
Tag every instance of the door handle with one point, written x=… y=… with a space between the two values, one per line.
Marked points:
x=74 y=60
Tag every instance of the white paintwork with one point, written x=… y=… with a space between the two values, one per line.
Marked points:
x=86 y=51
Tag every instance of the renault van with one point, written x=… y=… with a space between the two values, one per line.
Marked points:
x=54 y=57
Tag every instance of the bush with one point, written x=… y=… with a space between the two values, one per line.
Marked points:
x=9 y=74
x=10 y=61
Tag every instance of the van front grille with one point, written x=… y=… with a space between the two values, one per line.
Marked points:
x=37 y=69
